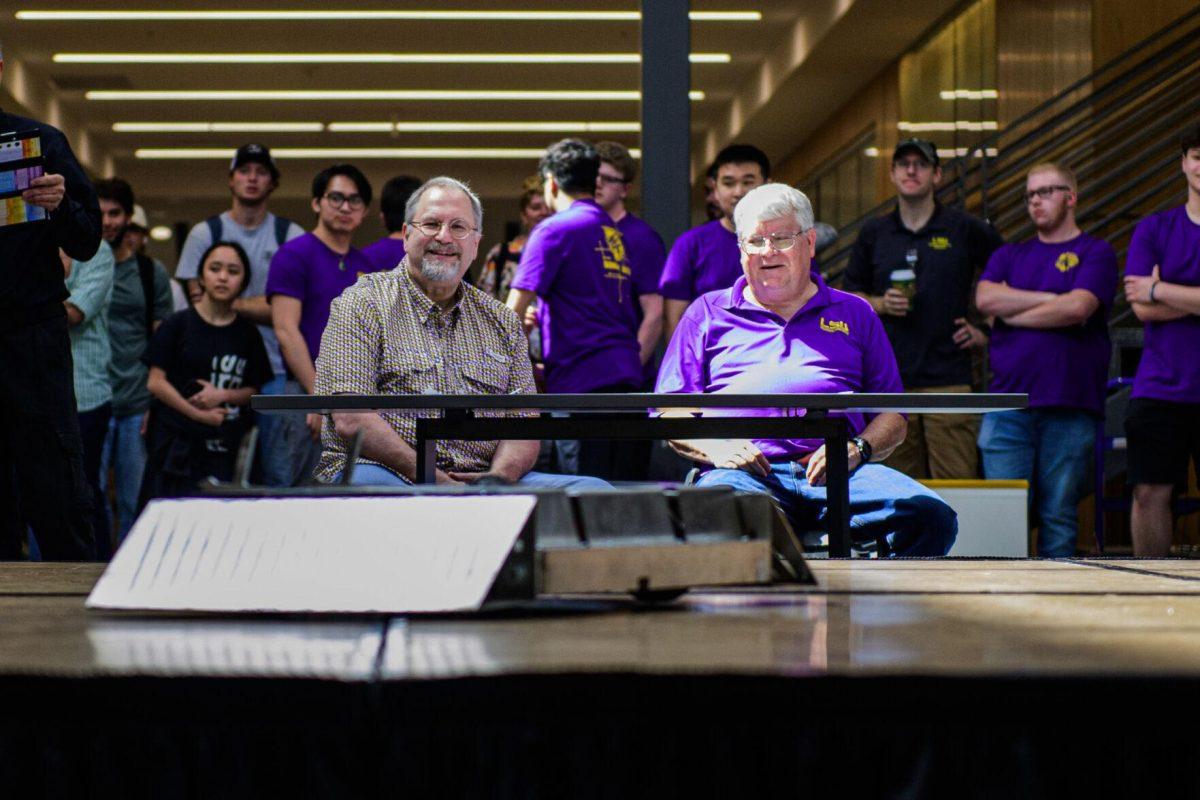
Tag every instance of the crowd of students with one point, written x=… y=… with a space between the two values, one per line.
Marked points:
x=164 y=369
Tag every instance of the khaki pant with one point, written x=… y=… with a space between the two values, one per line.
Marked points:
x=939 y=445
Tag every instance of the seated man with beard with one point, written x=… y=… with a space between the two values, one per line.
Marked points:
x=419 y=329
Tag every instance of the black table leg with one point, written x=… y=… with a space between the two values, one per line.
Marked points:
x=837 y=489
x=426 y=447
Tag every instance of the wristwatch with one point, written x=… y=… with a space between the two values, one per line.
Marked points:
x=864 y=448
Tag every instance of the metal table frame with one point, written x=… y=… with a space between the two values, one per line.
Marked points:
x=805 y=416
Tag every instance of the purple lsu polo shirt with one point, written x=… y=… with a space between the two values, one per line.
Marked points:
x=385 y=254
x=725 y=343
x=575 y=262
x=1170 y=365
x=1057 y=367
x=306 y=269
x=702 y=260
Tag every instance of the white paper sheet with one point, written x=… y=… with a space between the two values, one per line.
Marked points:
x=339 y=554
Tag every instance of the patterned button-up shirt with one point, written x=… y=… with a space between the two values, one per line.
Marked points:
x=91 y=286
x=385 y=336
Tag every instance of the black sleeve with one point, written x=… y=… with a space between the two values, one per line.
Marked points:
x=985 y=241
x=258 y=365
x=162 y=350
x=859 y=275
x=76 y=221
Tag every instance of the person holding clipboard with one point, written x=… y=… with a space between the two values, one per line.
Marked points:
x=46 y=202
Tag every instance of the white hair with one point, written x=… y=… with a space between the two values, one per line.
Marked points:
x=771 y=201
x=444 y=182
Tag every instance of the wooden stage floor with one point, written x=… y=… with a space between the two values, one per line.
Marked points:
x=865 y=618
x=895 y=679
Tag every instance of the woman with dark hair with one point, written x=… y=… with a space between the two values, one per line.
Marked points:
x=205 y=363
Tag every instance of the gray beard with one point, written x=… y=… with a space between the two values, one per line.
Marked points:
x=438 y=273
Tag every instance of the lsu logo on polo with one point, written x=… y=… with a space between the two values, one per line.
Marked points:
x=835 y=326
x=939 y=243
x=1066 y=261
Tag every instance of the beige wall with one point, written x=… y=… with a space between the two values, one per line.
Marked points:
x=876 y=106
x=1118 y=25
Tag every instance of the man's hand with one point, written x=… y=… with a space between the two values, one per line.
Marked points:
x=733 y=454
x=209 y=396
x=211 y=416
x=967 y=336
x=475 y=477
x=314 y=425
x=895 y=303
x=818 y=465
x=531 y=318
x=46 y=191
x=1137 y=287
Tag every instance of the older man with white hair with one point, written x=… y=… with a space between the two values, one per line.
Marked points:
x=419 y=329
x=781 y=329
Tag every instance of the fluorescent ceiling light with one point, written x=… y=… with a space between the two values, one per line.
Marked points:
x=376 y=127
x=943 y=152
x=161 y=233
x=969 y=94
x=371 y=58
x=483 y=127
x=370 y=94
x=956 y=125
x=341 y=16
x=218 y=127
x=483 y=153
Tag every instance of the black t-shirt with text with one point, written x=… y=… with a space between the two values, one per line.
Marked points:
x=947 y=255
x=229 y=356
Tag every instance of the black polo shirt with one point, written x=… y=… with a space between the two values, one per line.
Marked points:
x=31 y=273
x=952 y=249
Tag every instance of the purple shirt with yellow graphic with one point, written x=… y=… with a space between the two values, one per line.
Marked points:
x=725 y=343
x=1063 y=367
x=575 y=262
x=306 y=269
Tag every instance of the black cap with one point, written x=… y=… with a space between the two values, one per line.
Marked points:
x=254 y=154
x=926 y=150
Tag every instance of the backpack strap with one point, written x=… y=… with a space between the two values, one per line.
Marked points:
x=146 y=276
x=216 y=228
x=282 y=226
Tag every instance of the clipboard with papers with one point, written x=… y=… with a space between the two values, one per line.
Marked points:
x=21 y=161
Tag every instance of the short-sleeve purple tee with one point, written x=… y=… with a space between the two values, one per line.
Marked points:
x=576 y=263
x=702 y=260
x=306 y=269
x=1170 y=365
x=725 y=343
x=645 y=251
x=1057 y=367
x=385 y=254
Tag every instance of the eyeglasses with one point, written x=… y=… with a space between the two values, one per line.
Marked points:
x=602 y=178
x=1045 y=192
x=758 y=245
x=337 y=200
x=458 y=228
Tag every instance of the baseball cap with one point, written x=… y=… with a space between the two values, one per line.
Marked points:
x=926 y=150
x=254 y=154
x=138 y=218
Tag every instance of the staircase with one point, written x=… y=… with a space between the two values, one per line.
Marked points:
x=1117 y=128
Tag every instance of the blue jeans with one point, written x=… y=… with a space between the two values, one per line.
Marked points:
x=375 y=475
x=125 y=453
x=1052 y=449
x=273 y=454
x=914 y=520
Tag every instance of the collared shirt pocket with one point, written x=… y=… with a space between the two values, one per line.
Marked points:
x=409 y=373
x=486 y=374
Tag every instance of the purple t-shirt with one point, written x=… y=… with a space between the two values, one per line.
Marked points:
x=385 y=254
x=575 y=262
x=725 y=343
x=1057 y=367
x=702 y=260
x=646 y=253
x=1170 y=365
x=306 y=269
